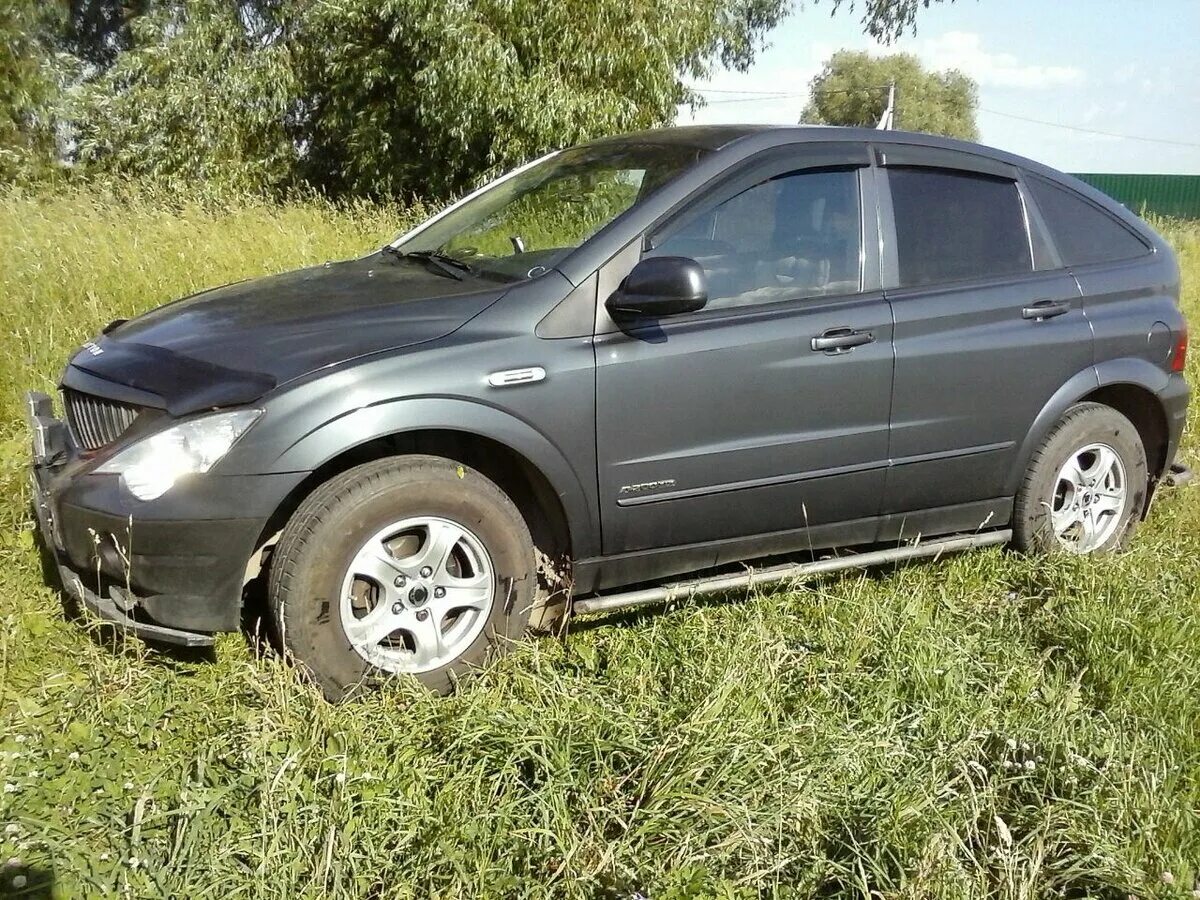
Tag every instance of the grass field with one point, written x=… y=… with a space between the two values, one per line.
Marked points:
x=982 y=726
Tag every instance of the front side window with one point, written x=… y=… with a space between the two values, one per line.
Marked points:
x=1083 y=233
x=952 y=226
x=534 y=219
x=785 y=238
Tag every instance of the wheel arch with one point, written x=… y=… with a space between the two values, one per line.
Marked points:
x=525 y=465
x=1131 y=387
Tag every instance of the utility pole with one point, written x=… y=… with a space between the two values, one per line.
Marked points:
x=888 y=120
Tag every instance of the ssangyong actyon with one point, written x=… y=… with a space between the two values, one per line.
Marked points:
x=649 y=355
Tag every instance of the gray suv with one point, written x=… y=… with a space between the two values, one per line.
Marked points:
x=649 y=355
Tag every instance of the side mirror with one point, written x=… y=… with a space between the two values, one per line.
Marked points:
x=660 y=286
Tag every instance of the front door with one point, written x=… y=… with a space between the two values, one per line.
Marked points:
x=768 y=410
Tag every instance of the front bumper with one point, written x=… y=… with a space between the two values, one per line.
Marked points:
x=169 y=570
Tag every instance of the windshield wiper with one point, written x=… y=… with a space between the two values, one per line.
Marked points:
x=436 y=261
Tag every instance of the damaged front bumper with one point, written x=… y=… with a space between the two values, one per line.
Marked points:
x=169 y=570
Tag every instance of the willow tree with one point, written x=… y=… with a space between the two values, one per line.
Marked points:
x=395 y=97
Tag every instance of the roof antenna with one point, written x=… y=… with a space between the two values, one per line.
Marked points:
x=888 y=120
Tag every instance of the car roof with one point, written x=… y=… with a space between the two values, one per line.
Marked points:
x=742 y=141
x=705 y=137
x=717 y=137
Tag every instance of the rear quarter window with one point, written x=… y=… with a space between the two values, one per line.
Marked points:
x=1083 y=232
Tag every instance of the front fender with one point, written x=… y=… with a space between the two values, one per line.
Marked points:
x=1126 y=370
x=471 y=417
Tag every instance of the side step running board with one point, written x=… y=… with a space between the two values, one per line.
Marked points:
x=751 y=578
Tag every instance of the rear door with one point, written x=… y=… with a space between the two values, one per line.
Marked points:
x=730 y=422
x=987 y=326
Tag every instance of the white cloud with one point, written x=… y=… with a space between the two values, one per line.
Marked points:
x=964 y=50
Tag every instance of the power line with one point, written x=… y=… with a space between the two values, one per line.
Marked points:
x=764 y=96
x=756 y=99
x=785 y=95
x=726 y=91
x=1128 y=137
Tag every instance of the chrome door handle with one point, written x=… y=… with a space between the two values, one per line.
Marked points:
x=841 y=340
x=1046 y=309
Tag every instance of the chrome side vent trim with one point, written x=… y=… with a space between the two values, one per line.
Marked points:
x=512 y=377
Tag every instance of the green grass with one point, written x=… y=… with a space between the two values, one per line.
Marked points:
x=982 y=726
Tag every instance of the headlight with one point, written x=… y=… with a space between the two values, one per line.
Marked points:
x=149 y=467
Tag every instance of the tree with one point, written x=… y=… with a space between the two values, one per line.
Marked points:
x=27 y=90
x=379 y=97
x=412 y=96
x=852 y=89
x=394 y=97
x=886 y=20
x=207 y=94
x=96 y=31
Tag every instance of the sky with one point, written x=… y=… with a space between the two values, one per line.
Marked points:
x=1118 y=66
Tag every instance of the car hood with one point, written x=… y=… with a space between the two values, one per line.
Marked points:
x=232 y=344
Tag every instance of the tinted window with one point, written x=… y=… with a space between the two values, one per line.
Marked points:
x=1083 y=233
x=957 y=225
x=785 y=238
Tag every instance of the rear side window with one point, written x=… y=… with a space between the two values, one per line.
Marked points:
x=953 y=225
x=1083 y=232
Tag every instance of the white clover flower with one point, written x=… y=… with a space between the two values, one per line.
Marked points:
x=1030 y=765
x=103 y=857
x=9 y=787
x=1011 y=744
x=20 y=738
x=1168 y=878
x=340 y=778
x=73 y=756
x=19 y=881
x=134 y=862
x=12 y=828
x=129 y=785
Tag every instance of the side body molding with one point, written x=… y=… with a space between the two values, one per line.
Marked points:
x=451 y=414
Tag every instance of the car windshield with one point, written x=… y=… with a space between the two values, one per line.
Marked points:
x=521 y=226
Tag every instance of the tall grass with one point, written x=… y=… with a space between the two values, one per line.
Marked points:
x=983 y=726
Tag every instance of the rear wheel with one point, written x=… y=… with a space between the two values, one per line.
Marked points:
x=1086 y=485
x=411 y=565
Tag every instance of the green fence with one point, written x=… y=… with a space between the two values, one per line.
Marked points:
x=1166 y=195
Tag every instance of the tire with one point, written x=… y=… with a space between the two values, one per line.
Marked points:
x=380 y=520
x=1076 y=497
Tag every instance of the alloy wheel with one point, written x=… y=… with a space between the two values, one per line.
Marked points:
x=417 y=594
x=1089 y=498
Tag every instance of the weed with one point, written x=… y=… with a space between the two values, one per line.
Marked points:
x=983 y=726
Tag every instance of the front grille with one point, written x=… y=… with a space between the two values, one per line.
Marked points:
x=96 y=421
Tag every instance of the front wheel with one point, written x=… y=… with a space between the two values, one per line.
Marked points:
x=410 y=565
x=1086 y=485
